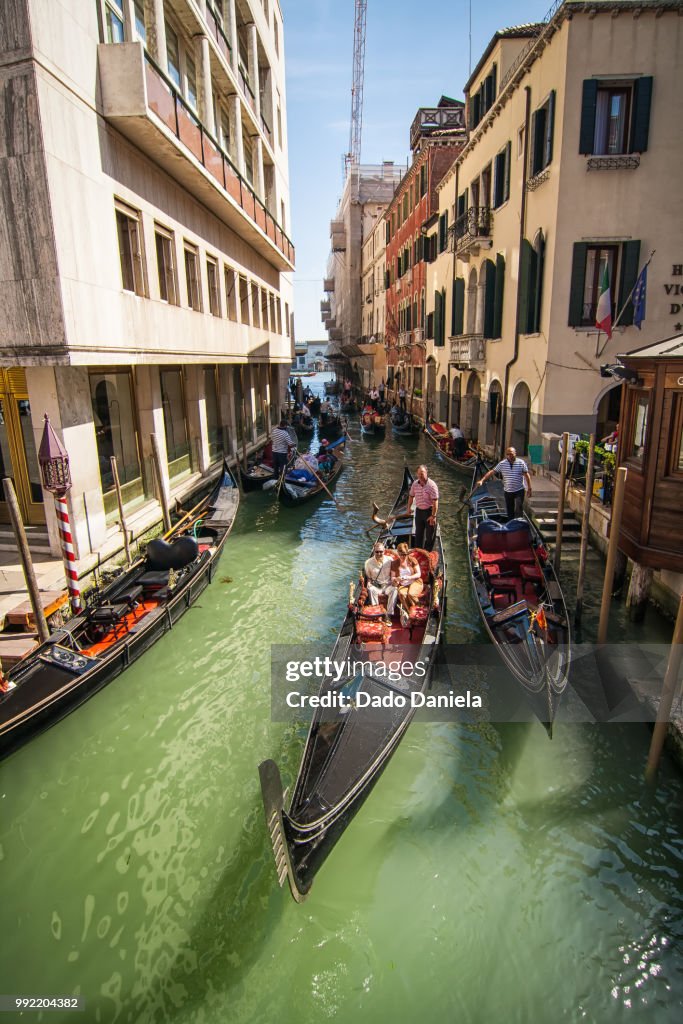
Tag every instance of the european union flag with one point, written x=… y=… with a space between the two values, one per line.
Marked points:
x=639 y=298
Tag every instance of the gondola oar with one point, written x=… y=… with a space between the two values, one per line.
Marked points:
x=322 y=483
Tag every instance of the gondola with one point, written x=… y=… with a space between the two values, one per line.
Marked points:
x=405 y=426
x=331 y=424
x=372 y=423
x=293 y=491
x=441 y=439
x=519 y=597
x=350 y=744
x=260 y=471
x=122 y=621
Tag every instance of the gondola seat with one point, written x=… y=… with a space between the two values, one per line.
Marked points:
x=368 y=631
x=534 y=573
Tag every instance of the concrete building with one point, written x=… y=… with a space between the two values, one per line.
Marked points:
x=569 y=172
x=415 y=235
x=373 y=273
x=145 y=254
x=367 y=191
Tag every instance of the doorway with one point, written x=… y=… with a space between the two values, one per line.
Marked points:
x=18 y=453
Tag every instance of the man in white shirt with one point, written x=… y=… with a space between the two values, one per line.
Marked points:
x=515 y=473
x=378 y=575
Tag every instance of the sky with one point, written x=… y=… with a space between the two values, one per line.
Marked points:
x=416 y=51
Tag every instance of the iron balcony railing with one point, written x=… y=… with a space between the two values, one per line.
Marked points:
x=474 y=223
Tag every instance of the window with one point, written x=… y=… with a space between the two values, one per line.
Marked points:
x=494 y=284
x=264 y=309
x=636 y=446
x=190 y=82
x=279 y=126
x=224 y=131
x=443 y=231
x=231 y=293
x=520 y=142
x=439 y=319
x=114 y=418
x=532 y=259
x=140 y=28
x=244 y=300
x=175 y=426
x=255 y=307
x=501 y=176
x=676 y=449
x=166 y=265
x=542 y=129
x=276 y=35
x=194 y=298
x=287 y=324
x=458 y=310
x=129 y=231
x=113 y=20
x=615 y=116
x=279 y=315
x=214 y=287
x=482 y=101
x=173 y=56
x=213 y=429
x=588 y=263
x=248 y=158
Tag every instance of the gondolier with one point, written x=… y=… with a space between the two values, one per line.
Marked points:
x=281 y=444
x=515 y=473
x=425 y=494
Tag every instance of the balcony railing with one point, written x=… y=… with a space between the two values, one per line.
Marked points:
x=431 y=119
x=473 y=228
x=146 y=89
x=216 y=29
x=468 y=350
x=328 y=284
x=338 y=235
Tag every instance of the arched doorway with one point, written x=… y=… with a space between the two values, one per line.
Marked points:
x=470 y=408
x=493 y=412
x=442 y=400
x=455 y=400
x=607 y=411
x=520 y=417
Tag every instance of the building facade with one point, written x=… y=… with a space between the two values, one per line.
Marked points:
x=146 y=257
x=414 y=236
x=567 y=181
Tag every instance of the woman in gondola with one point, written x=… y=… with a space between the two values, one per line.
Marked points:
x=408 y=580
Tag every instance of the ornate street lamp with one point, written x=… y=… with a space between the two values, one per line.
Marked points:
x=54 y=469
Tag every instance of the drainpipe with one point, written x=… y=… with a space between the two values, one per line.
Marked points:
x=522 y=233
x=455 y=246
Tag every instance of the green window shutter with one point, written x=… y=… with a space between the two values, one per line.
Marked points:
x=498 y=297
x=458 y=312
x=549 y=128
x=523 y=286
x=588 y=108
x=437 y=317
x=538 y=135
x=640 y=122
x=497 y=182
x=508 y=161
x=388 y=232
x=535 y=314
x=489 y=296
x=630 y=258
x=578 y=280
x=494 y=80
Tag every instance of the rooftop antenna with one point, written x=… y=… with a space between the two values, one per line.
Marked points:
x=470 y=71
x=353 y=155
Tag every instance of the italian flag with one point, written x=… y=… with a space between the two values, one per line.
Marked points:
x=603 y=314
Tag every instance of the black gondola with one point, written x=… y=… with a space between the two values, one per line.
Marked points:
x=403 y=424
x=295 y=491
x=331 y=423
x=260 y=470
x=442 y=441
x=372 y=423
x=519 y=598
x=349 y=746
x=129 y=615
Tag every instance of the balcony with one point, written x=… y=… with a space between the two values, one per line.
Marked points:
x=144 y=105
x=325 y=308
x=436 y=119
x=328 y=284
x=419 y=338
x=335 y=334
x=473 y=231
x=330 y=321
x=468 y=351
x=338 y=235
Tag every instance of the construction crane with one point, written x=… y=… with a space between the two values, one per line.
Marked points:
x=353 y=155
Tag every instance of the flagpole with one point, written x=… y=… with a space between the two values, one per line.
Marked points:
x=598 y=350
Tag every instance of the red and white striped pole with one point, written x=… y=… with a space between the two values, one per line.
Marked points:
x=68 y=552
x=54 y=468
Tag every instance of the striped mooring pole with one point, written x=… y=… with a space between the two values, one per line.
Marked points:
x=54 y=469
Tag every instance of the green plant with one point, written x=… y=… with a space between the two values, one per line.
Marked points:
x=581 y=448
x=417 y=392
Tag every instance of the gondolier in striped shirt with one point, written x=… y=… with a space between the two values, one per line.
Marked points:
x=515 y=473
x=281 y=442
x=425 y=494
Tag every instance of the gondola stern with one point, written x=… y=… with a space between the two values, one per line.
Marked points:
x=273 y=805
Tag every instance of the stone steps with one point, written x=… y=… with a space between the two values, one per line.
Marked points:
x=38 y=541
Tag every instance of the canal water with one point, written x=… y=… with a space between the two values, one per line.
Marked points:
x=492 y=875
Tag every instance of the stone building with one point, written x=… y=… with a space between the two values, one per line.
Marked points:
x=568 y=178
x=145 y=256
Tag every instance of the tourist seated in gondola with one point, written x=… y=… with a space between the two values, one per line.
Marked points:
x=458 y=442
x=407 y=577
x=378 y=574
x=326 y=457
x=398 y=416
x=304 y=470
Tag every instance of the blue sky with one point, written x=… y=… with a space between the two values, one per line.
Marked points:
x=416 y=51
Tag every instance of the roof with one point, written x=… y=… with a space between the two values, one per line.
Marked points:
x=527 y=31
x=669 y=348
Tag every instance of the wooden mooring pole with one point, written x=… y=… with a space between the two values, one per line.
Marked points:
x=667 y=697
x=560 y=509
x=585 y=529
x=119 y=500
x=163 y=497
x=25 y=556
x=615 y=526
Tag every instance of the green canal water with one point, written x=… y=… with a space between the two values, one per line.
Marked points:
x=492 y=875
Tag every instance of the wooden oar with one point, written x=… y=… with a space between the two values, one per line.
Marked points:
x=322 y=484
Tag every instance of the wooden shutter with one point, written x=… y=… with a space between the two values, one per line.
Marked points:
x=588 y=107
x=578 y=280
x=630 y=259
x=549 y=128
x=458 y=313
x=535 y=314
x=498 y=297
x=489 y=297
x=494 y=81
x=508 y=161
x=438 y=318
x=640 y=122
x=538 y=135
x=523 y=286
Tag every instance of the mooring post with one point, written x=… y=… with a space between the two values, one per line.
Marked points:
x=585 y=529
x=119 y=500
x=666 y=699
x=615 y=526
x=161 y=487
x=25 y=556
x=560 y=510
